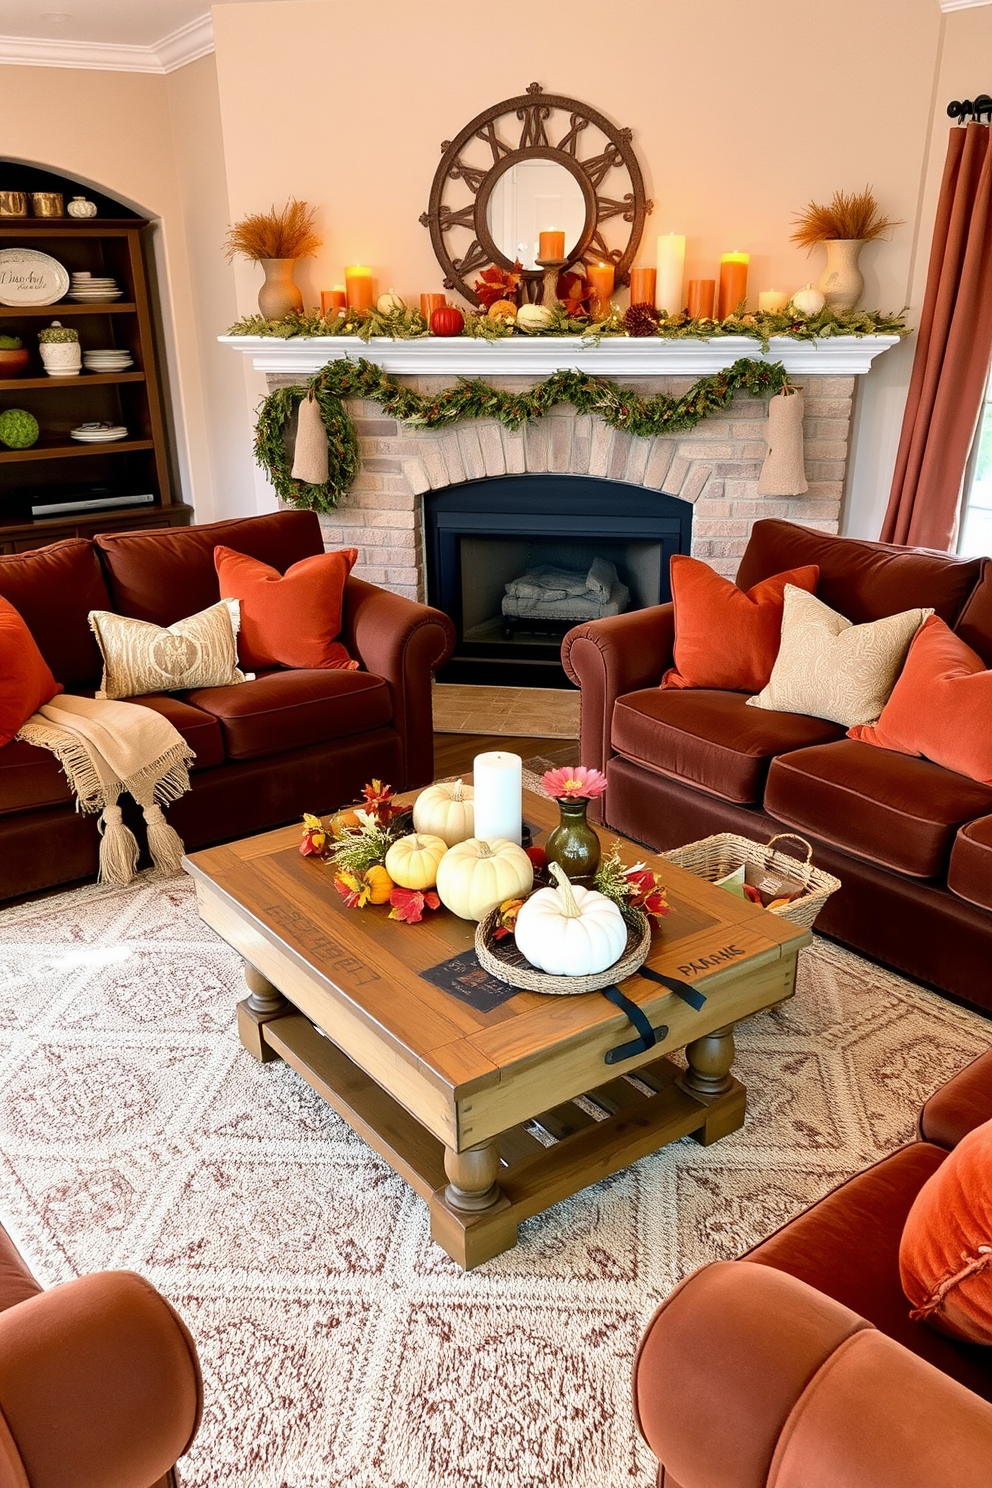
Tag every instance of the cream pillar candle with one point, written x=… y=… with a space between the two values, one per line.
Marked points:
x=496 y=780
x=671 y=270
x=772 y=300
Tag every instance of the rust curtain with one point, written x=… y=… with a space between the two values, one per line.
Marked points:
x=953 y=352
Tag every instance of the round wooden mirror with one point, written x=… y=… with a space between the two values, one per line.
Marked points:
x=531 y=164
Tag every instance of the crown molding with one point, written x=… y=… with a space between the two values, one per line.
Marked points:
x=947 y=5
x=187 y=44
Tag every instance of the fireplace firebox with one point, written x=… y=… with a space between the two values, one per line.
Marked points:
x=483 y=535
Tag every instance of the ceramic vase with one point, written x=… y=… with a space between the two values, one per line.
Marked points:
x=80 y=207
x=279 y=294
x=573 y=844
x=842 y=282
x=61 y=358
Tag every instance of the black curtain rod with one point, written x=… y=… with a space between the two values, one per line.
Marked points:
x=966 y=109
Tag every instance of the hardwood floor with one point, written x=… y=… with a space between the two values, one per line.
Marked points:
x=454 y=753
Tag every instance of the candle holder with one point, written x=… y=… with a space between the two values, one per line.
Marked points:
x=552 y=268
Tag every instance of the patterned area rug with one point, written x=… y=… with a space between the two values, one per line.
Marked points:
x=341 y=1349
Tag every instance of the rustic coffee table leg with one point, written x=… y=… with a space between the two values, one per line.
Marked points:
x=262 y=1005
x=470 y=1218
x=472 y=1176
x=708 y=1078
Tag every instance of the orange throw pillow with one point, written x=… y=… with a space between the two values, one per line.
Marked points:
x=26 y=681
x=940 y=707
x=291 y=619
x=724 y=637
x=945 y=1256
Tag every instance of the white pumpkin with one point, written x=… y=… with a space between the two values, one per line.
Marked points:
x=533 y=317
x=446 y=810
x=568 y=930
x=412 y=861
x=475 y=876
x=808 y=301
x=389 y=303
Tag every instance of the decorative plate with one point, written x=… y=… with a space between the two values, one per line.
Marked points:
x=28 y=277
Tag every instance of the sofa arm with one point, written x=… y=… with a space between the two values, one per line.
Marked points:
x=405 y=643
x=607 y=658
x=744 y=1380
x=959 y=1106
x=99 y=1386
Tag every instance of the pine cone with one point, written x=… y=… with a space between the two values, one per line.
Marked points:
x=641 y=320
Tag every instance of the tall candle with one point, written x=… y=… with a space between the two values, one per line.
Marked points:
x=642 y=282
x=733 y=282
x=700 y=298
x=496 y=778
x=551 y=244
x=431 y=302
x=671 y=271
x=772 y=300
x=600 y=278
x=359 y=287
x=332 y=300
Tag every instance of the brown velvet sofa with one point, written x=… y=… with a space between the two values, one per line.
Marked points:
x=267 y=750
x=799 y=1366
x=910 y=841
x=99 y=1381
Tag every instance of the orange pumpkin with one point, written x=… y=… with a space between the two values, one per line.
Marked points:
x=503 y=310
x=447 y=320
x=344 y=821
x=380 y=883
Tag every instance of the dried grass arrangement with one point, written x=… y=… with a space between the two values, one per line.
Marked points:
x=851 y=215
x=272 y=234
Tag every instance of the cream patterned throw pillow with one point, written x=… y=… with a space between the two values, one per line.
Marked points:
x=139 y=657
x=829 y=668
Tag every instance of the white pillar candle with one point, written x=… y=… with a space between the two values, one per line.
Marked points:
x=772 y=300
x=497 y=784
x=671 y=268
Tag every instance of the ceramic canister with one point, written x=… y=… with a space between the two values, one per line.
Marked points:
x=13 y=204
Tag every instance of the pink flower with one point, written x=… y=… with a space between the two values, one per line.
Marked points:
x=579 y=783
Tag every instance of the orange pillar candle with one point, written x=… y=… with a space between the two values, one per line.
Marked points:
x=642 y=283
x=359 y=287
x=332 y=300
x=772 y=300
x=551 y=244
x=733 y=282
x=431 y=302
x=700 y=298
x=600 y=278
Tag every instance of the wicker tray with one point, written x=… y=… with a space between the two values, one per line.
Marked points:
x=714 y=857
x=503 y=960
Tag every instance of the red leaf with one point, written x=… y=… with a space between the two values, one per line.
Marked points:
x=408 y=905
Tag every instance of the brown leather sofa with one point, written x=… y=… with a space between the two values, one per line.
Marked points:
x=267 y=750
x=800 y=1367
x=910 y=841
x=99 y=1381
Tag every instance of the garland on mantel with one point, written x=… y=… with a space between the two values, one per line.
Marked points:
x=475 y=399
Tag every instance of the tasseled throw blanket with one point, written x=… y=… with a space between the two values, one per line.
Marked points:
x=108 y=747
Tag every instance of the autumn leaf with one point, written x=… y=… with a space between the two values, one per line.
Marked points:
x=495 y=284
x=314 y=837
x=353 y=888
x=409 y=904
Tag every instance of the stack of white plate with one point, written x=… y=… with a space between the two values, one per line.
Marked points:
x=98 y=433
x=93 y=289
x=108 y=359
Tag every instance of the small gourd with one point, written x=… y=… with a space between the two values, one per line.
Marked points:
x=446 y=811
x=533 y=318
x=503 y=310
x=475 y=876
x=568 y=930
x=808 y=301
x=412 y=861
x=447 y=320
x=380 y=884
x=390 y=303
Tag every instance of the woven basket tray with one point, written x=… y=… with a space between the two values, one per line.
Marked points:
x=503 y=960
x=715 y=857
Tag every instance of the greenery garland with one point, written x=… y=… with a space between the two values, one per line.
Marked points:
x=474 y=399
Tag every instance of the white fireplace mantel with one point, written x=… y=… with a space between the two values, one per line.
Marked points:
x=614 y=356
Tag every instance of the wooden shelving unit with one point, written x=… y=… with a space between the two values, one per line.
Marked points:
x=140 y=463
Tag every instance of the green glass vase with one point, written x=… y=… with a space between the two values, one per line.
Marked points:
x=573 y=844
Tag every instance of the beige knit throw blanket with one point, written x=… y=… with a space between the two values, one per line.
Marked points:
x=108 y=747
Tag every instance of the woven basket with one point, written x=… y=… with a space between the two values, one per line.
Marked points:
x=715 y=857
x=503 y=960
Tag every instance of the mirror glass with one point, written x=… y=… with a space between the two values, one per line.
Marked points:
x=532 y=197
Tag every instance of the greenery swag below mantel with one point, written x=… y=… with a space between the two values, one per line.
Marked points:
x=474 y=399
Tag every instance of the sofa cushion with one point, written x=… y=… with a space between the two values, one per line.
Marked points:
x=975 y=621
x=890 y=809
x=291 y=619
x=138 y=657
x=200 y=730
x=165 y=576
x=29 y=778
x=710 y=739
x=287 y=710
x=970 y=873
x=26 y=681
x=863 y=580
x=54 y=589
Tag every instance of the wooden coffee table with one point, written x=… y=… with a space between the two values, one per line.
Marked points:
x=451 y=1094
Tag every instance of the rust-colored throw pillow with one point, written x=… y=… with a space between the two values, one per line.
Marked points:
x=291 y=619
x=945 y=1256
x=940 y=707
x=26 y=681
x=725 y=637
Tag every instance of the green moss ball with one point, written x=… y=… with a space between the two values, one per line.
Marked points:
x=18 y=428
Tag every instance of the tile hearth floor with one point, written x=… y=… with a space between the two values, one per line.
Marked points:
x=526 y=712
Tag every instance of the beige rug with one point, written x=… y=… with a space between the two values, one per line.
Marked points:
x=341 y=1349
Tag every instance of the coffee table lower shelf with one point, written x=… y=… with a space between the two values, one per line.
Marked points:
x=531 y=1176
